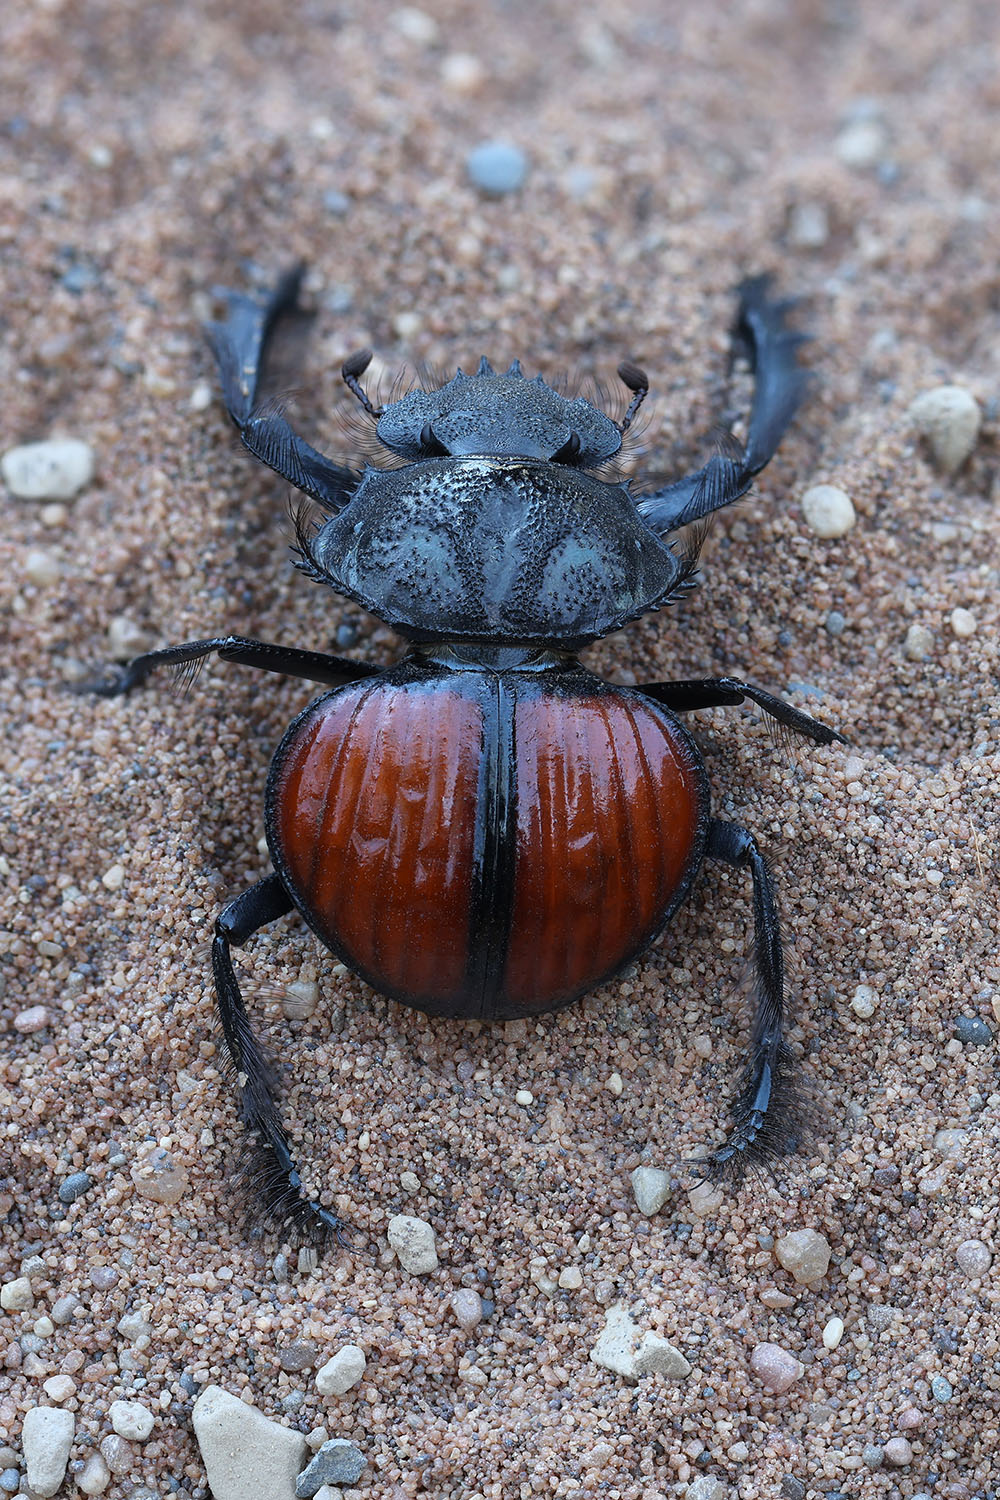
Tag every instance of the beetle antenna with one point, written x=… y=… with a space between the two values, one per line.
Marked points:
x=352 y=368
x=638 y=383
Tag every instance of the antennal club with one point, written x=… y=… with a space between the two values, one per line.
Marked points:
x=638 y=383
x=354 y=367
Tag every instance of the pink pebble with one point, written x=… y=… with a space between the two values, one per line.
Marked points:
x=35 y=1018
x=910 y=1419
x=775 y=1367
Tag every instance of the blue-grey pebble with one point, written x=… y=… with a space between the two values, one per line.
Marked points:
x=497 y=167
x=941 y=1388
x=10 y=1481
x=835 y=622
x=75 y=1186
x=872 y=1456
x=973 y=1030
x=337 y=1462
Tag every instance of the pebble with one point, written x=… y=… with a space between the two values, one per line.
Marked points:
x=10 y=1481
x=117 y=1453
x=342 y=1372
x=919 y=643
x=59 y=1388
x=651 y=1186
x=805 y=1253
x=133 y=1326
x=244 y=1452
x=962 y=622
x=94 y=1477
x=413 y=1241
x=298 y=1356
x=864 y=1001
x=46 y=1438
x=973 y=1030
x=615 y=1349
x=462 y=72
x=872 y=1455
x=300 y=999
x=524 y=1097
x=16 y=1295
x=337 y=1462
x=63 y=1308
x=861 y=143
x=35 y=1018
x=42 y=568
x=113 y=878
x=910 y=1418
x=880 y=1316
x=941 y=1389
x=497 y=167
x=74 y=1186
x=828 y=511
x=808 y=226
x=775 y=1367
x=131 y=1420
x=705 y=1199
x=835 y=622
x=571 y=1279
x=792 y=1488
x=898 y=1452
x=833 y=1333
x=973 y=1257
x=157 y=1176
x=705 y=1487
x=948 y=417
x=775 y=1300
x=467 y=1305
x=55 y=470
x=126 y=638
x=656 y=1356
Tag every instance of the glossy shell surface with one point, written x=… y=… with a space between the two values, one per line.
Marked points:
x=486 y=844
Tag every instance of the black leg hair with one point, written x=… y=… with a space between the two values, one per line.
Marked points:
x=716 y=692
x=240 y=343
x=763 y=337
x=269 y=1171
x=763 y=1113
x=314 y=666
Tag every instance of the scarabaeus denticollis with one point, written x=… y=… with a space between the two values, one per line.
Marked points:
x=486 y=829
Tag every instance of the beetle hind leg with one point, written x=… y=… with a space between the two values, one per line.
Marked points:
x=268 y=1170
x=764 y=1111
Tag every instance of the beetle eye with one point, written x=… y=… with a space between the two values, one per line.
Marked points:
x=569 y=452
x=430 y=444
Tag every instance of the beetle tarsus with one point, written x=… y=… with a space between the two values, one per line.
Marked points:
x=268 y=1171
x=719 y=692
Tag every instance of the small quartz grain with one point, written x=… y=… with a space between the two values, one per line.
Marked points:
x=918 y=644
x=54 y=470
x=337 y=1462
x=805 y=1253
x=973 y=1031
x=497 y=167
x=962 y=622
x=59 y=1388
x=808 y=225
x=74 y=1187
x=117 y=1453
x=571 y=1279
x=131 y=1420
x=949 y=418
x=862 y=143
x=835 y=622
x=413 y=1241
x=41 y=568
x=467 y=1306
x=651 y=1188
x=974 y=1257
x=775 y=1367
x=828 y=511
x=342 y=1372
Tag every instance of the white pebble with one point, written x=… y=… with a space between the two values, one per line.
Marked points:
x=571 y=1279
x=657 y=1356
x=775 y=1367
x=342 y=1372
x=46 y=1438
x=524 y=1097
x=16 y=1295
x=706 y=1487
x=244 y=1452
x=114 y=878
x=126 y=639
x=861 y=143
x=963 y=622
x=55 y=470
x=35 y=1018
x=974 y=1257
x=462 y=72
x=833 y=1333
x=615 y=1084
x=828 y=511
x=808 y=226
x=467 y=1305
x=131 y=1420
x=59 y=1388
x=864 y=1002
x=948 y=417
x=201 y=396
x=919 y=643
x=406 y=325
x=415 y=25
x=805 y=1253
x=94 y=1477
x=651 y=1187
x=410 y=1183
x=705 y=1199
x=898 y=1451
x=616 y=1345
x=43 y=569
x=413 y=1241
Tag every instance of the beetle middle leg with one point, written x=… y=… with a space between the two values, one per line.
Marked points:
x=762 y=1109
x=719 y=692
x=314 y=666
x=271 y=1171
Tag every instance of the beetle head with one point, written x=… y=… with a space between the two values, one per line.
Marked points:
x=493 y=414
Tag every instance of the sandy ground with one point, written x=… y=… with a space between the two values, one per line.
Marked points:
x=151 y=152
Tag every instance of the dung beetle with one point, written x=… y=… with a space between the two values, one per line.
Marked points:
x=486 y=829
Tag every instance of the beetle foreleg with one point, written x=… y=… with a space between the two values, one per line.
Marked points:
x=763 y=1113
x=270 y=1171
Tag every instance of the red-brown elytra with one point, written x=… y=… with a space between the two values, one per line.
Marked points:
x=487 y=830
